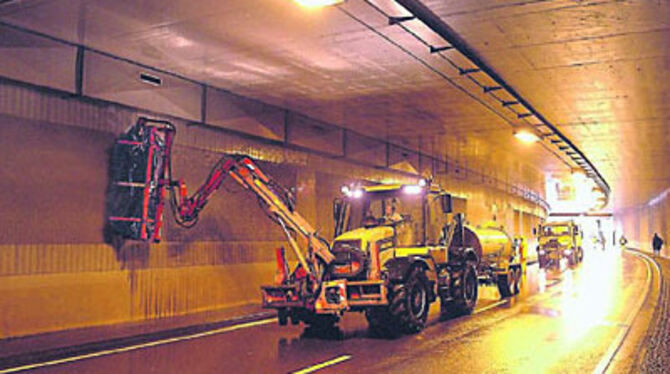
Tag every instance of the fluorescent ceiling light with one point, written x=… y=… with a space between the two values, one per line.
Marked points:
x=526 y=136
x=317 y=3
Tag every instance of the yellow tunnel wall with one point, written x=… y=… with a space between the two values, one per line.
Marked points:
x=57 y=272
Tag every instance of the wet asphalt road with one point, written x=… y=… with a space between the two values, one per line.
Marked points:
x=561 y=322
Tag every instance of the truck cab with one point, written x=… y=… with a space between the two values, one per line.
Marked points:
x=411 y=219
x=559 y=240
x=397 y=250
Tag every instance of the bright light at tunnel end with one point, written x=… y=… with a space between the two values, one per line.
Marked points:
x=526 y=136
x=317 y=3
x=412 y=189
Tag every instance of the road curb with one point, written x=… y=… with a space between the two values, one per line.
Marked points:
x=655 y=356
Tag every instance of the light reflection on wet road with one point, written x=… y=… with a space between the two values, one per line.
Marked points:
x=563 y=321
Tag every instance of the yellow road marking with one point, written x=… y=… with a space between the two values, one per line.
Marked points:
x=137 y=346
x=322 y=365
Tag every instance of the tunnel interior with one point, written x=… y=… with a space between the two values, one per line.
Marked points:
x=359 y=93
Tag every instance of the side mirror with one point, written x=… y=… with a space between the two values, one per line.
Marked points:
x=445 y=203
x=337 y=209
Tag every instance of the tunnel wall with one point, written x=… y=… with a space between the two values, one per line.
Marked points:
x=56 y=270
x=640 y=223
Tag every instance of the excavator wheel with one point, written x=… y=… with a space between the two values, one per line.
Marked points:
x=465 y=293
x=282 y=317
x=506 y=284
x=510 y=284
x=572 y=260
x=408 y=302
x=542 y=261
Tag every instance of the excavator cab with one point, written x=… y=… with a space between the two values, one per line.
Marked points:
x=417 y=211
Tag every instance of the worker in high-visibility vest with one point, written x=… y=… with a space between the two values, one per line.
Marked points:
x=523 y=253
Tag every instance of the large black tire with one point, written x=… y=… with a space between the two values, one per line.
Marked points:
x=282 y=316
x=580 y=254
x=518 y=278
x=506 y=284
x=572 y=260
x=407 y=310
x=464 y=295
x=408 y=302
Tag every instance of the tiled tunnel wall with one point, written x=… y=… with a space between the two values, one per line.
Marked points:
x=640 y=223
x=58 y=122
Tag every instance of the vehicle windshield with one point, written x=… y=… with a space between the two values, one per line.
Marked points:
x=396 y=208
x=416 y=215
x=555 y=230
x=383 y=208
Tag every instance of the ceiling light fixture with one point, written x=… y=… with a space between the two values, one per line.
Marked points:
x=317 y=3
x=526 y=136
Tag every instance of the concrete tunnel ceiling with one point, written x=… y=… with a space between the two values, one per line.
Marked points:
x=595 y=69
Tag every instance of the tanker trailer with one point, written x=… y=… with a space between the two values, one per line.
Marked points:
x=501 y=258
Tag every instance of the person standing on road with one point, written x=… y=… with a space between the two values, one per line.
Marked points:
x=623 y=241
x=656 y=244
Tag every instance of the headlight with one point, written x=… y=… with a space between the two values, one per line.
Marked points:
x=567 y=252
x=541 y=252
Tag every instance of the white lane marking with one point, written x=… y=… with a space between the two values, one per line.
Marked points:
x=137 y=346
x=618 y=340
x=490 y=306
x=322 y=365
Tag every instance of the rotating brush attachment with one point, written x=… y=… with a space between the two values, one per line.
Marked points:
x=136 y=194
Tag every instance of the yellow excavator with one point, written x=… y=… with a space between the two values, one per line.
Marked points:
x=397 y=248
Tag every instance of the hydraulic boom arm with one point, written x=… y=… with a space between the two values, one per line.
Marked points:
x=157 y=138
x=278 y=202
